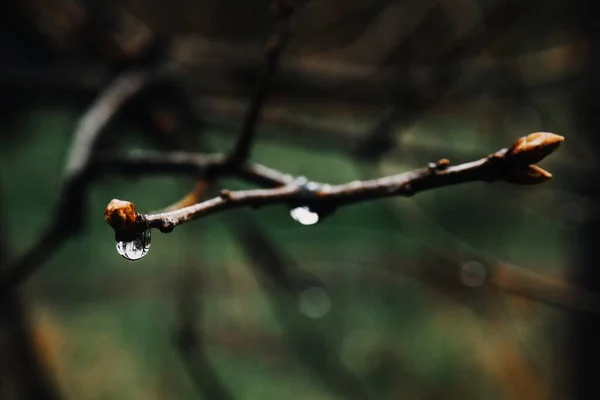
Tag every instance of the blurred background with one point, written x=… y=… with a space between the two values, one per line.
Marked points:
x=476 y=291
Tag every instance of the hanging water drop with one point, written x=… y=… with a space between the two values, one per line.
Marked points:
x=304 y=215
x=136 y=248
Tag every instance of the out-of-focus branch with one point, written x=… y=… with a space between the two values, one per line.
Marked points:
x=201 y=165
x=193 y=197
x=91 y=124
x=514 y=165
x=69 y=213
x=388 y=30
x=22 y=371
x=283 y=10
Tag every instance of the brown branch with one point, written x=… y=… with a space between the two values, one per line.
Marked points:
x=193 y=197
x=97 y=117
x=514 y=165
x=69 y=213
x=23 y=373
x=283 y=10
x=210 y=68
x=200 y=165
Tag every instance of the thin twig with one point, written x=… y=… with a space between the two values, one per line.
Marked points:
x=97 y=117
x=514 y=164
x=274 y=48
x=508 y=278
x=69 y=214
x=202 y=165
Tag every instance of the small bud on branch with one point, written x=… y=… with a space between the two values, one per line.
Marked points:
x=526 y=151
x=529 y=175
x=123 y=218
x=533 y=148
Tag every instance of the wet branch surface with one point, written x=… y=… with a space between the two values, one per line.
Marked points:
x=514 y=165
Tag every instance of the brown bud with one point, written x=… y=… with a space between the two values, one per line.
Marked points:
x=120 y=215
x=529 y=175
x=533 y=148
x=442 y=164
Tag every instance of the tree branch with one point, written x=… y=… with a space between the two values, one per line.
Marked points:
x=514 y=165
x=97 y=117
x=69 y=213
x=283 y=10
x=202 y=165
x=23 y=373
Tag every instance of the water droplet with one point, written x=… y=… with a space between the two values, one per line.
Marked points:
x=473 y=274
x=135 y=249
x=304 y=215
x=314 y=302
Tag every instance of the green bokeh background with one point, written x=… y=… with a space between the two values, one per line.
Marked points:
x=108 y=323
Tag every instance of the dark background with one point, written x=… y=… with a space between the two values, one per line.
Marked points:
x=379 y=299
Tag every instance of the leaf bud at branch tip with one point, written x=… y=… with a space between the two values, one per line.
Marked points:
x=533 y=148
x=121 y=216
x=529 y=175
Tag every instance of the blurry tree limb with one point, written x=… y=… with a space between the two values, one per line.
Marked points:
x=193 y=197
x=226 y=69
x=306 y=72
x=95 y=119
x=317 y=79
x=283 y=10
x=551 y=291
x=201 y=165
x=23 y=374
x=68 y=216
x=438 y=81
x=392 y=25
